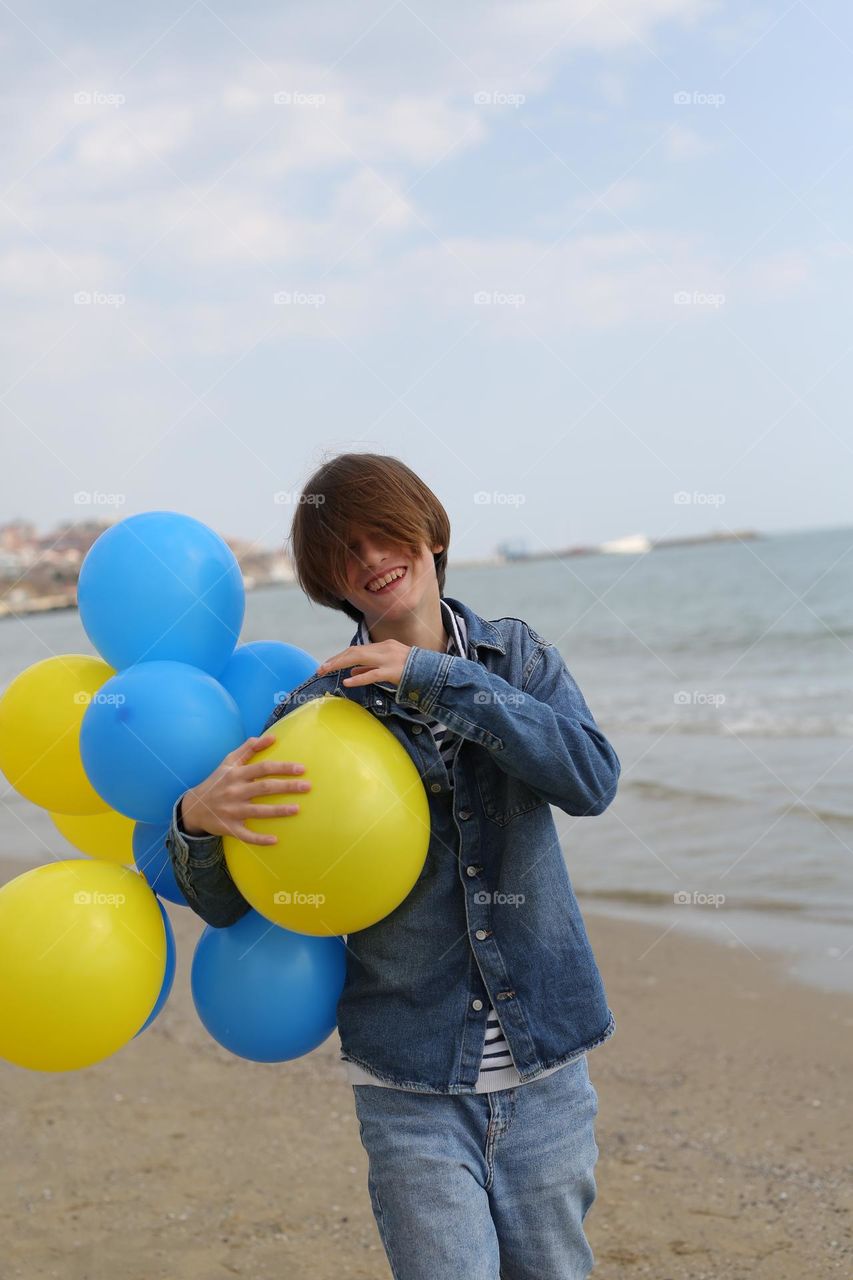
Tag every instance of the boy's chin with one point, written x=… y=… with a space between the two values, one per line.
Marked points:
x=398 y=610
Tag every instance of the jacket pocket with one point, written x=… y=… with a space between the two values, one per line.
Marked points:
x=503 y=797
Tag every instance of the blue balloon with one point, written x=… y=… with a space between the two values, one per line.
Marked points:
x=264 y=992
x=152 y=858
x=259 y=674
x=168 y=976
x=162 y=586
x=154 y=730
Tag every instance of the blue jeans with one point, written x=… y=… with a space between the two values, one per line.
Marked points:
x=482 y=1186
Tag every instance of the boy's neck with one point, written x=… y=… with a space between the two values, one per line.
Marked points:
x=424 y=627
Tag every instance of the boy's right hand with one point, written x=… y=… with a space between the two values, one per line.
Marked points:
x=220 y=805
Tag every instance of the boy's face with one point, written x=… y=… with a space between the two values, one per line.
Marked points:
x=369 y=559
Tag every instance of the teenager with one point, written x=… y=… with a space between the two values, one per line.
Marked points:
x=468 y=1012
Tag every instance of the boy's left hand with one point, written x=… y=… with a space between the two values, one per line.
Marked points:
x=382 y=661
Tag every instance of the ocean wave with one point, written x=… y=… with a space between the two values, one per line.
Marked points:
x=732 y=640
x=822 y=815
x=695 y=641
x=760 y=724
x=649 y=789
x=752 y=724
x=657 y=898
x=666 y=791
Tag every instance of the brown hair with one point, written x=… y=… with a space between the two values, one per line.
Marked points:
x=369 y=492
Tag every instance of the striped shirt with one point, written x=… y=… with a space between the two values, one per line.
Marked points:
x=497 y=1070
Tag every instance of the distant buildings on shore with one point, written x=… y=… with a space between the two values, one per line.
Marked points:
x=39 y=572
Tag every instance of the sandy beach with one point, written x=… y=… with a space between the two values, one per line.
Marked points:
x=724 y=1128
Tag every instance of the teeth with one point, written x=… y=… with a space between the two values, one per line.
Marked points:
x=378 y=583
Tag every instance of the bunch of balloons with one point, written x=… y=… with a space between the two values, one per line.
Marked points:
x=107 y=745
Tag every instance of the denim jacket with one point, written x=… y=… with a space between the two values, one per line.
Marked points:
x=493 y=916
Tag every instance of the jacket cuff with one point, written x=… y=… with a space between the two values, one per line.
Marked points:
x=424 y=675
x=190 y=846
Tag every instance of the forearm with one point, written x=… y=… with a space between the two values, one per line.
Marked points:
x=543 y=734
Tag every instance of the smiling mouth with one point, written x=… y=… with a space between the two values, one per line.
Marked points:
x=399 y=572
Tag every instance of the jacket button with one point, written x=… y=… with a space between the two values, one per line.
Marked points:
x=417 y=728
x=481 y=934
x=464 y=813
x=477 y=1004
x=435 y=786
x=471 y=871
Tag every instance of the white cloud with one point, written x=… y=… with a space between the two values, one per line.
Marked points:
x=624 y=194
x=123 y=140
x=613 y=88
x=519 y=31
x=33 y=271
x=684 y=143
x=198 y=196
x=778 y=275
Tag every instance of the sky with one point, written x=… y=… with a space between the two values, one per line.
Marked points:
x=585 y=267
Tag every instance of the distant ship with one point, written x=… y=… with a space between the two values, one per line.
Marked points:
x=632 y=544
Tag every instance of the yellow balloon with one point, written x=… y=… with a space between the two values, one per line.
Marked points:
x=358 y=843
x=100 y=835
x=40 y=716
x=82 y=961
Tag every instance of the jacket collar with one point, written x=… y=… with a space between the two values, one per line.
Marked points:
x=480 y=633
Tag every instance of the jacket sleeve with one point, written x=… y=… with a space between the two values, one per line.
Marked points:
x=543 y=733
x=203 y=876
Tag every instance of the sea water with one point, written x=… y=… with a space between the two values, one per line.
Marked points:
x=722 y=673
